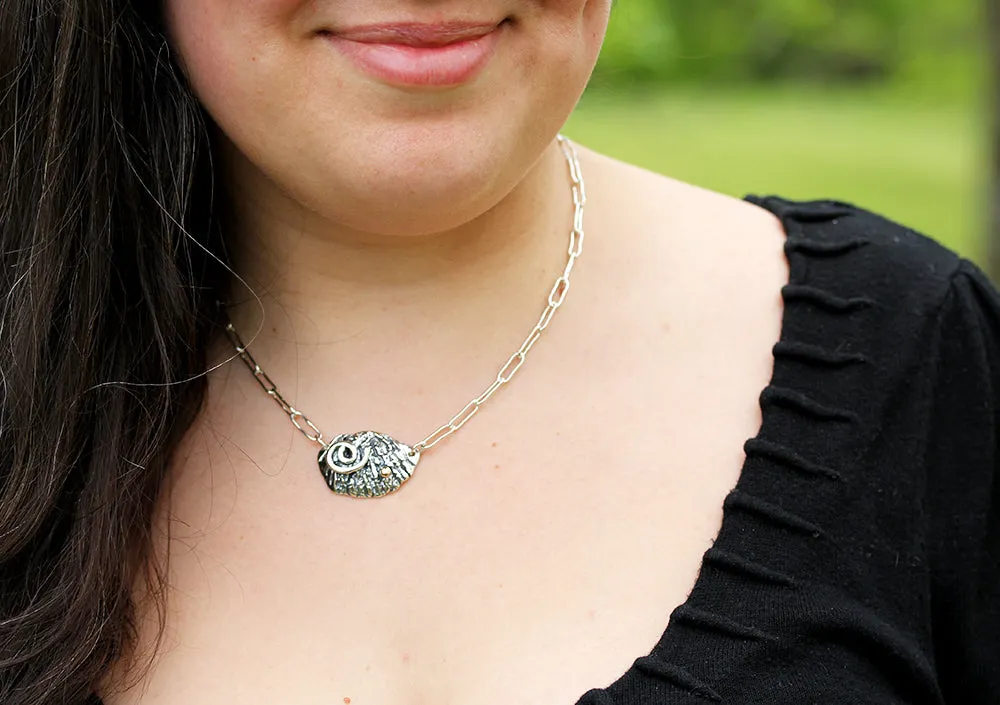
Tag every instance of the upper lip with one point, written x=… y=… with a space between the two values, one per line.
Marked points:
x=416 y=34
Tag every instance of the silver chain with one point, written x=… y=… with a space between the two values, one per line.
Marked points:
x=556 y=297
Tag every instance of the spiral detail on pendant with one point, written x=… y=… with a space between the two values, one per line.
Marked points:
x=345 y=457
x=366 y=464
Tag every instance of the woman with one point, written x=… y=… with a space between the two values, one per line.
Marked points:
x=358 y=210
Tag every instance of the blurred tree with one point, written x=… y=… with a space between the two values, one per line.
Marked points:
x=638 y=41
x=739 y=40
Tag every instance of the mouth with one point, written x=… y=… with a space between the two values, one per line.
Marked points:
x=411 y=54
x=416 y=34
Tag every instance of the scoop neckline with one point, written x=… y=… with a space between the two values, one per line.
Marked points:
x=703 y=578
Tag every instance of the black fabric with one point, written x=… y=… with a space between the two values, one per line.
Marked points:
x=859 y=555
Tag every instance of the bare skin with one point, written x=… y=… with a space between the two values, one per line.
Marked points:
x=536 y=553
x=402 y=242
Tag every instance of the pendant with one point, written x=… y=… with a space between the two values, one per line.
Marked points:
x=366 y=464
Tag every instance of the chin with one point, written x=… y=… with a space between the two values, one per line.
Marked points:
x=414 y=181
x=416 y=201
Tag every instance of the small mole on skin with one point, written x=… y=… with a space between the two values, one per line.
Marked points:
x=497 y=467
x=494 y=444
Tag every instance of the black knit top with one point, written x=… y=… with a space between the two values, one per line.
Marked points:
x=859 y=556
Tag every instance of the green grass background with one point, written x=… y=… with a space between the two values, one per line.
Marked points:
x=915 y=159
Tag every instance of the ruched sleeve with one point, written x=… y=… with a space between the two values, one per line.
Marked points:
x=963 y=495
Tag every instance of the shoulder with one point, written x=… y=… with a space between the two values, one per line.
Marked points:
x=729 y=255
x=677 y=209
x=688 y=251
x=888 y=253
x=924 y=316
x=842 y=246
x=887 y=260
x=924 y=320
x=847 y=250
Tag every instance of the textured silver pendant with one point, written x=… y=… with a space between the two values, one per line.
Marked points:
x=366 y=464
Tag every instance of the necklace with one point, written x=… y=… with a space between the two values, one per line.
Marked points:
x=370 y=464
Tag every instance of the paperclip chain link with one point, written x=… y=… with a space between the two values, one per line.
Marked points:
x=556 y=297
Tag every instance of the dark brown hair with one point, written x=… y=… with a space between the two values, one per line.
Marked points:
x=106 y=229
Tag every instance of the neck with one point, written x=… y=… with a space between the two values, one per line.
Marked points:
x=314 y=282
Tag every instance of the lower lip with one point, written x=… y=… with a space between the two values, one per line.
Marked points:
x=402 y=65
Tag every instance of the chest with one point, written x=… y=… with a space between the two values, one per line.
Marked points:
x=534 y=569
x=533 y=556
